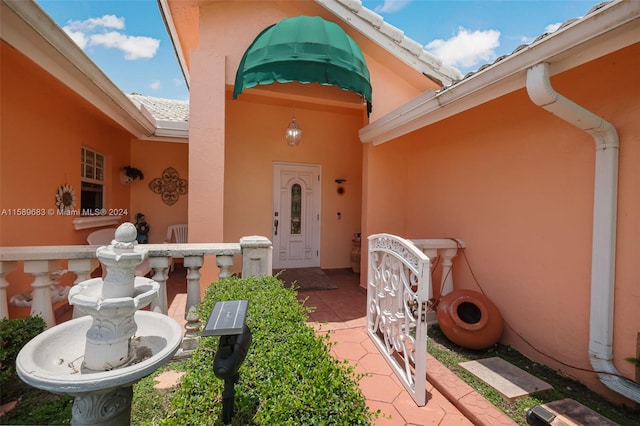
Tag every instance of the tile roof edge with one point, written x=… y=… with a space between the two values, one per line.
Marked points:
x=392 y=39
x=539 y=39
x=142 y=103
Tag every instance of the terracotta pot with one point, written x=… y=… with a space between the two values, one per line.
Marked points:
x=469 y=319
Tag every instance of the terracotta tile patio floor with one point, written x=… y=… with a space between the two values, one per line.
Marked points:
x=449 y=400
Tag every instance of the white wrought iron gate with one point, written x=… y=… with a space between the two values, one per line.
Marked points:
x=398 y=289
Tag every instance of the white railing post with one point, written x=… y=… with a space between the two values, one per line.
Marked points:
x=41 y=303
x=257 y=255
x=160 y=266
x=225 y=263
x=5 y=269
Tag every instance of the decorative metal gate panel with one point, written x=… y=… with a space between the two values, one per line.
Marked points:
x=398 y=289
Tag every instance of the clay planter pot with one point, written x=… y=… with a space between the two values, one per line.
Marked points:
x=469 y=319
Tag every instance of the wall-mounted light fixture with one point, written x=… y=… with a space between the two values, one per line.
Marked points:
x=293 y=134
x=339 y=181
x=340 y=187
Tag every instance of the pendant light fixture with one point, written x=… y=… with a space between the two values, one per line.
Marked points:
x=293 y=134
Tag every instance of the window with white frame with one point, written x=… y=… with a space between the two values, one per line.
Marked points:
x=92 y=180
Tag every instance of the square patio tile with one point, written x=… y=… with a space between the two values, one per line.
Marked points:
x=511 y=381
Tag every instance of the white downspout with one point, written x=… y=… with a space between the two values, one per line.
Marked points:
x=603 y=251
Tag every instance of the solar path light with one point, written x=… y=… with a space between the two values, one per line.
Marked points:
x=227 y=320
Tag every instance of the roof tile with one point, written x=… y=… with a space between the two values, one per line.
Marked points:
x=163 y=109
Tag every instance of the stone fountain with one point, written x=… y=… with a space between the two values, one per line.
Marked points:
x=98 y=357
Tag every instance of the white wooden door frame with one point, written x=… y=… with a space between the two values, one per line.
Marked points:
x=301 y=250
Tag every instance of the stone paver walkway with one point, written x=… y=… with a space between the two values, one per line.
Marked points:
x=450 y=401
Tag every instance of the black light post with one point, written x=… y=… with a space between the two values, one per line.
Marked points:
x=227 y=320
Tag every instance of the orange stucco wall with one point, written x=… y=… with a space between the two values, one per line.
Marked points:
x=330 y=139
x=43 y=129
x=237 y=141
x=153 y=158
x=516 y=184
x=44 y=126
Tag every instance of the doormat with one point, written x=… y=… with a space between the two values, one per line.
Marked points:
x=304 y=279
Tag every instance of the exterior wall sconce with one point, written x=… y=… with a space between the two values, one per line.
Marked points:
x=340 y=187
x=293 y=134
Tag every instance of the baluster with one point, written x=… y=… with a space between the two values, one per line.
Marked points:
x=160 y=266
x=41 y=296
x=446 y=281
x=5 y=268
x=193 y=265
x=224 y=263
x=82 y=268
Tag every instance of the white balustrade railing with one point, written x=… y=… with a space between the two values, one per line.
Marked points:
x=445 y=249
x=41 y=261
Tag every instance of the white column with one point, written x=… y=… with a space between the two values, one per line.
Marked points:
x=41 y=302
x=5 y=268
x=160 y=266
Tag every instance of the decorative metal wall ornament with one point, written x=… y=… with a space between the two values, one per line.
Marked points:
x=65 y=198
x=170 y=186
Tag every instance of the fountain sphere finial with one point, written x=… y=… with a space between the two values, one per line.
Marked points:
x=126 y=233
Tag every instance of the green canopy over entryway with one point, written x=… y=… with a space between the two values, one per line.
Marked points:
x=305 y=49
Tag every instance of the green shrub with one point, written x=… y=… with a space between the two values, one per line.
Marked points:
x=288 y=377
x=14 y=334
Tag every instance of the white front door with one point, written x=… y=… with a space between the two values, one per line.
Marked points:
x=296 y=215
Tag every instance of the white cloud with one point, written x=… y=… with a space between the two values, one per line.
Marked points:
x=390 y=6
x=552 y=27
x=77 y=36
x=106 y=21
x=134 y=47
x=178 y=82
x=548 y=29
x=88 y=32
x=526 y=40
x=155 y=84
x=467 y=48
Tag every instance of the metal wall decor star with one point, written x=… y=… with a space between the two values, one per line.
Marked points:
x=170 y=186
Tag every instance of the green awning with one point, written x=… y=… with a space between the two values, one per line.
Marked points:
x=305 y=49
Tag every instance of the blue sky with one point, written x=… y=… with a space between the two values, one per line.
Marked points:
x=128 y=41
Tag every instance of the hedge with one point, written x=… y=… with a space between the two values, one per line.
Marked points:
x=288 y=377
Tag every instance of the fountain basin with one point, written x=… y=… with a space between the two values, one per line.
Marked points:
x=53 y=360
x=88 y=296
